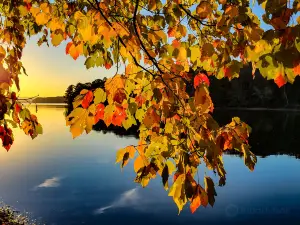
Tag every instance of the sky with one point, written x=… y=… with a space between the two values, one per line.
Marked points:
x=50 y=71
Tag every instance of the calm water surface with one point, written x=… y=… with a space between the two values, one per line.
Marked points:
x=64 y=181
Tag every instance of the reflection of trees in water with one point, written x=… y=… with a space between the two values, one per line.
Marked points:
x=120 y=131
x=273 y=132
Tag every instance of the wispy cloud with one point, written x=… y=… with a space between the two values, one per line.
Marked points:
x=129 y=198
x=48 y=183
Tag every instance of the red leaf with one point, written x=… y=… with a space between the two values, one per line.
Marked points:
x=107 y=66
x=6 y=136
x=99 y=112
x=119 y=96
x=171 y=32
x=68 y=47
x=200 y=79
x=227 y=72
x=28 y=6
x=280 y=80
x=87 y=99
x=17 y=108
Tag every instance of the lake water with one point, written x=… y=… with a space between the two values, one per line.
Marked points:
x=63 y=181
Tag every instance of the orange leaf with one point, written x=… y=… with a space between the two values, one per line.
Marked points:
x=203 y=10
x=195 y=204
x=99 y=112
x=87 y=99
x=151 y=118
x=171 y=32
x=68 y=47
x=200 y=79
x=118 y=116
x=140 y=100
x=176 y=43
x=280 y=80
x=297 y=67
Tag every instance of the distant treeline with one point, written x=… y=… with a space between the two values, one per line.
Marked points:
x=250 y=91
x=58 y=99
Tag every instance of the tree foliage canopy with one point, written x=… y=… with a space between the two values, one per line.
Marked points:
x=168 y=49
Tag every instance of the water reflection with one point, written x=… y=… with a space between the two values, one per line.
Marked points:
x=273 y=132
x=65 y=181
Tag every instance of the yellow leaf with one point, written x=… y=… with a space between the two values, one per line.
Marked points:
x=131 y=150
x=42 y=18
x=182 y=54
x=2 y=53
x=138 y=164
x=81 y=119
x=34 y=11
x=120 y=155
x=45 y=7
x=100 y=96
x=195 y=53
x=177 y=192
x=56 y=24
x=171 y=167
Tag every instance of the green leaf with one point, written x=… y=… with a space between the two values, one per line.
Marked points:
x=89 y=62
x=39 y=129
x=24 y=114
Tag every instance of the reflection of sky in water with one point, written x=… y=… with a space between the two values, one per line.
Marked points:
x=67 y=181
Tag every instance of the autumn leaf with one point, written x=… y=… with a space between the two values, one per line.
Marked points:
x=210 y=190
x=74 y=50
x=199 y=198
x=139 y=163
x=107 y=65
x=280 y=80
x=88 y=98
x=199 y=79
x=204 y=9
x=151 y=118
x=99 y=113
x=176 y=191
x=118 y=116
x=296 y=68
x=100 y=96
x=124 y=154
x=81 y=119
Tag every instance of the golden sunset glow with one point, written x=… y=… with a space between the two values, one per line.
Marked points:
x=50 y=71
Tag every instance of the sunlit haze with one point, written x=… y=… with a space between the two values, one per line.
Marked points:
x=50 y=71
